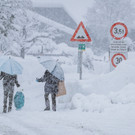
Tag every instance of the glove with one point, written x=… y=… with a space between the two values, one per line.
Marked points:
x=18 y=85
x=37 y=80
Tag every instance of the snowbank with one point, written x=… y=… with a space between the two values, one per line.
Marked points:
x=125 y=95
x=116 y=87
x=92 y=103
x=115 y=80
x=123 y=99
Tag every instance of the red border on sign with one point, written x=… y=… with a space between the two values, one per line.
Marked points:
x=115 y=56
x=119 y=23
x=81 y=40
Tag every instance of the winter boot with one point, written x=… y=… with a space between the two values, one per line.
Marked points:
x=47 y=109
x=54 y=110
x=9 y=109
x=4 y=110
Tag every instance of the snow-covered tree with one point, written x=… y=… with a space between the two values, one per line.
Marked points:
x=12 y=19
x=101 y=17
x=20 y=30
x=40 y=36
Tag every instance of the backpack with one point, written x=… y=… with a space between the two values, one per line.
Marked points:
x=19 y=100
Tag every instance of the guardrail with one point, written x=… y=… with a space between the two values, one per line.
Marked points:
x=58 y=55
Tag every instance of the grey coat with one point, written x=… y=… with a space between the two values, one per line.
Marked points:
x=9 y=79
x=51 y=85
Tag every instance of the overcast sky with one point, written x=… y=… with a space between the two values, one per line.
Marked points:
x=76 y=8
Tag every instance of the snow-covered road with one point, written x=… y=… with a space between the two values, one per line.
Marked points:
x=66 y=122
x=49 y=123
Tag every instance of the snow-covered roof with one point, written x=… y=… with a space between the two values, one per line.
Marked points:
x=58 y=14
x=51 y=22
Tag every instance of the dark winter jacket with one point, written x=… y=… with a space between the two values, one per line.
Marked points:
x=51 y=85
x=9 y=79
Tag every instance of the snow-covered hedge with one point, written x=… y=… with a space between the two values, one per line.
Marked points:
x=92 y=103
x=125 y=95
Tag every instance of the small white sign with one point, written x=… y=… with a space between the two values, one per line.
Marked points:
x=118 y=48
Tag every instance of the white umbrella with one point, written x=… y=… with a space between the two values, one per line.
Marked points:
x=10 y=66
x=54 y=68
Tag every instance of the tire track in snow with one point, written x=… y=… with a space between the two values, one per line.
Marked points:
x=54 y=126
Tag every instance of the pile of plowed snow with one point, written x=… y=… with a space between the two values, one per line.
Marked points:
x=125 y=95
x=115 y=80
x=108 y=90
x=92 y=103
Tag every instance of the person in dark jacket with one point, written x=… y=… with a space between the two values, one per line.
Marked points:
x=51 y=87
x=8 y=85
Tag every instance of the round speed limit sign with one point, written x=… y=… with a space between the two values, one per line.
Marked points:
x=119 y=30
x=117 y=58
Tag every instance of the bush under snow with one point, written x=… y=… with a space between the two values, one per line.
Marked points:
x=125 y=95
x=92 y=103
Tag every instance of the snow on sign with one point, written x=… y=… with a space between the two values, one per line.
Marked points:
x=119 y=30
x=117 y=58
x=81 y=34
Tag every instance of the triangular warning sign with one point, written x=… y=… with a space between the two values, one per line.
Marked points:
x=81 y=34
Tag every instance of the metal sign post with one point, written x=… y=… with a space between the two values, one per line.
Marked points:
x=81 y=48
x=78 y=62
x=80 y=53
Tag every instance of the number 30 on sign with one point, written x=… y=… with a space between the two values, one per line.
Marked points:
x=117 y=58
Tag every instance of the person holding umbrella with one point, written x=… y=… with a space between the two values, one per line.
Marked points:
x=52 y=76
x=8 y=85
x=9 y=69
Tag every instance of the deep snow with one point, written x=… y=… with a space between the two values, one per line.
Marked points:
x=100 y=104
